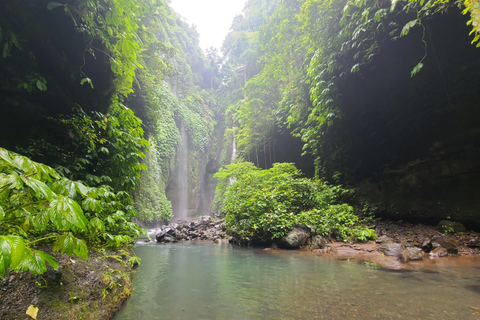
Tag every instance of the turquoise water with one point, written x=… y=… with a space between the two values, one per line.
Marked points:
x=210 y=281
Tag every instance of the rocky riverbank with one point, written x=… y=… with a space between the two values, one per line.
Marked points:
x=203 y=228
x=91 y=290
x=397 y=245
x=96 y=288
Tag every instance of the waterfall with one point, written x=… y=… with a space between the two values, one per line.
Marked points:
x=182 y=183
x=234 y=148
x=234 y=154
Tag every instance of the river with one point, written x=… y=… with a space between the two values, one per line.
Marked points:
x=210 y=281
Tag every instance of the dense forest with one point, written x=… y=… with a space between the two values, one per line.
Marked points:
x=375 y=101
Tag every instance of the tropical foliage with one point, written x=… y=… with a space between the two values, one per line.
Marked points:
x=308 y=50
x=38 y=206
x=100 y=90
x=267 y=204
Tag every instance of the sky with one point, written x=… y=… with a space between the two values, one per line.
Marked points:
x=213 y=18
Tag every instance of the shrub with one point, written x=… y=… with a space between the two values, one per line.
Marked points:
x=267 y=204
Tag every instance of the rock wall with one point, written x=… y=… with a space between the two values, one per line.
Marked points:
x=410 y=144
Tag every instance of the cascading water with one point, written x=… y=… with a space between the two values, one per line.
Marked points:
x=181 y=211
x=234 y=148
x=234 y=154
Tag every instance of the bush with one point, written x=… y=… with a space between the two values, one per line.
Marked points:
x=39 y=206
x=267 y=204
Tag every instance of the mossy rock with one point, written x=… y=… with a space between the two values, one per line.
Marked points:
x=447 y=226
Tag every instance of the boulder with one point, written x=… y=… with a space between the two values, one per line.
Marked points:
x=296 y=238
x=438 y=252
x=383 y=238
x=160 y=235
x=411 y=253
x=318 y=242
x=448 y=226
x=449 y=244
x=169 y=238
x=392 y=249
x=440 y=241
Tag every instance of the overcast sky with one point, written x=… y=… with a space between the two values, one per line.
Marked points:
x=213 y=18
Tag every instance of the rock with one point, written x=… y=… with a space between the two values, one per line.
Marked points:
x=411 y=253
x=438 y=241
x=318 y=242
x=169 y=238
x=296 y=238
x=474 y=243
x=391 y=249
x=427 y=245
x=383 y=238
x=449 y=244
x=438 y=252
x=160 y=236
x=448 y=226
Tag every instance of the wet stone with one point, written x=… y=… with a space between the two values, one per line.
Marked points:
x=438 y=252
x=411 y=253
x=391 y=249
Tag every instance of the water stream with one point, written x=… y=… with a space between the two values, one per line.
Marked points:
x=181 y=207
x=210 y=281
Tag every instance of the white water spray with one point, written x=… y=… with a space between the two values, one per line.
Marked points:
x=182 y=176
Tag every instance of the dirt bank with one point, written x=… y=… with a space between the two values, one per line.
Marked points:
x=90 y=290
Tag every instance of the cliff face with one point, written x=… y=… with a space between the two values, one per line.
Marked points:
x=412 y=144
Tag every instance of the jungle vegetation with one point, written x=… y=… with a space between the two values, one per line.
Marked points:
x=95 y=93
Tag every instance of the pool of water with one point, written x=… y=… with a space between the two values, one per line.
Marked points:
x=211 y=281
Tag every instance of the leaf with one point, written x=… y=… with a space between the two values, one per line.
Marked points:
x=41 y=85
x=81 y=188
x=5 y=255
x=87 y=80
x=2 y=213
x=406 y=28
x=69 y=210
x=30 y=262
x=97 y=224
x=69 y=244
x=48 y=258
x=18 y=250
x=394 y=3
x=40 y=188
x=32 y=312
x=40 y=221
x=417 y=68
x=92 y=204
x=53 y=5
x=5 y=155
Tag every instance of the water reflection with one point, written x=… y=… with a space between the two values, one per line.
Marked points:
x=208 y=281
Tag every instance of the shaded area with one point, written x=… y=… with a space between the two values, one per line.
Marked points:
x=411 y=144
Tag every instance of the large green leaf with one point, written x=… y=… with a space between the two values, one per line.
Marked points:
x=68 y=244
x=34 y=261
x=92 y=204
x=40 y=221
x=70 y=210
x=5 y=156
x=57 y=219
x=17 y=250
x=2 y=213
x=5 y=255
x=41 y=189
x=97 y=225
x=48 y=258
